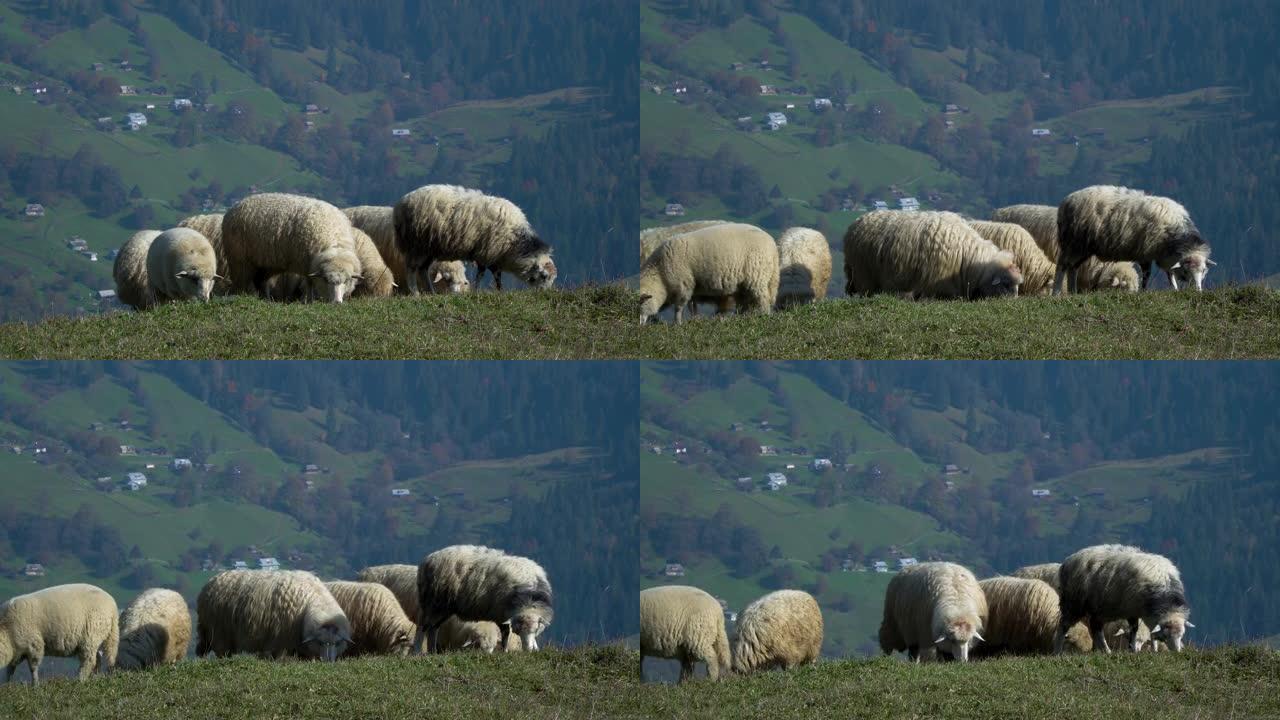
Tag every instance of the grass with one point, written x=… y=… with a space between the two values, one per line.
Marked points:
x=1224 y=682
x=599 y=322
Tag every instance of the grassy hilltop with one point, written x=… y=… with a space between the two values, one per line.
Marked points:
x=600 y=322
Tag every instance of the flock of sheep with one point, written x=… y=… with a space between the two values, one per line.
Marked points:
x=940 y=610
x=1101 y=237
x=290 y=247
x=459 y=597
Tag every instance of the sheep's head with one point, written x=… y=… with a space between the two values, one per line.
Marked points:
x=334 y=273
x=402 y=641
x=1000 y=277
x=1190 y=269
x=957 y=638
x=532 y=615
x=327 y=641
x=1170 y=630
x=196 y=283
x=537 y=271
x=1120 y=276
x=449 y=277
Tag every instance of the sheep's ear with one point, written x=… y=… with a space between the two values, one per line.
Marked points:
x=1176 y=265
x=314 y=274
x=183 y=274
x=1121 y=631
x=1210 y=262
x=645 y=297
x=1156 y=629
x=436 y=279
x=939 y=639
x=1190 y=624
x=980 y=638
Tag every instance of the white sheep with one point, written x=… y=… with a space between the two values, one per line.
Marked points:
x=130 y=270
x=181 y=265
x=933 y=607
x=155 y=629
x=1118 y=582
x=651 y=238
x=1121 y=224
x=74 y=620
x=925 y=255
x=448 y=222
x=684 y=623
x=376 y=279
x=804 y=266
x=1046 y=572
x=1022 y=618
x=720 y=261
x=483 y=635
x=782 y=629
x=401 y=579
x=273 y=613
x=480 y=583
x=1042 y=222
x=379 y=625
x=1037 y=270
x=448 y=276
x=210 y=226
x=273 y=233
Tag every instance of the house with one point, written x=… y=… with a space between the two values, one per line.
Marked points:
x=909 y=204
x=744 y=120
x=180 y=104
x=656 y=89
x=135 y=120
x=848 y=565
x=743 y=483
x=906 y=562
x=1041 y=132
x=820 y=464
x=33 y=570
x=879 y=205
x=791 y=466
x=768 y=450
x=105 y=294
x=151 y=466
x=736 y=66
x=180 y=464
x=655 y=449
x=97 y=67
x=768 y=90
x=34 y=210
x=104 y=121
x=776 y=481
x=791 y=106
x=679 y=88
x=673 y=570
x=820 y=104
x=950 y=109
x=950 y=470
x=268 y=563
x=880 y=566
x=401 y=132
x=128 y=90
x=239 y=565
x=135 y=480
x=730 y=616
x=311 y=108
x=847 y=205
x=674 y=210
x=128 y=450
x=310 y=469
x=775 y=120
x=92 y=256
x=151 y=106
x=1040 y=492
x=103 y=480
x=400 y=492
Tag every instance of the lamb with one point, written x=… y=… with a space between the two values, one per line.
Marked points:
x=726 y=260
x=379 y=625
x=448 y=276
x=155 y=629
x=804 y=262
x=684 y=623
x=925 y=254
x=1022 y=617
x=63 y=621
x=1118 y=223
x=484 y=636
x=210 y=226
x=130 y=270
x=272 y=233
x=933 y=607
x=448 y=222
x=651 y=238
x=271 y=613
x=1042 y=222
x=480 y=583
x=1120 y=582
x=375 y=221
x=1037 y=270
x=782 y=629
x=181 y=265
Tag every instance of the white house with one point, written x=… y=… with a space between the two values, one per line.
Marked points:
x=181 y=104
x=880 y=566
x=136 y=120
x=820 y=464
x=673 y=570
x=400 y=492
x=879 y=205
x=906 y=562
x=776 y=480
x=820 y=104
x=239 y=565
x=136 y=480
x=673 y=209
x=1040 y=492
x=909 y=204
x=33 y=570
x=768 y=450
x=1041 y=132
x=401 y=132
x=268 y=563
x=180 y=464
x=775 y=120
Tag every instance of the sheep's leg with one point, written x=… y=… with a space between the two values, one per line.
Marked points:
x=479 y=272
x=686 y=669
x=11 y=668
x=504 y=632
x=713 y=669
x=1172 y=280
x=1133 y=635
x=1144 y=272
x=33 y=664
x=88 y=662
x=497 y=277
x=1099 y=637
x=679 y=313
x=1059 y=277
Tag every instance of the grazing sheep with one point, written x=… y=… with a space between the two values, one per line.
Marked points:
x=1078 y=637
x=925 y=255
x=651 y=238
x=484 y=636
x=1022 y=618
x=782 y=629
x=479 y=583
x=273 y=613
x=1120 y=224
x=401 y=579
x=181 y=265
x=1047 y=572
x=1037 y=270
x=1118 y=582
x=448 y=276
x=210 y=226
x=379 y=625
x=726 y=260
x=273 y=233
x=448 y=222
x=130 y=270
x=1042 y=222
x=155 y=629
x=376 y=279
x=804 y=266
x=932 y=607
x=684 y=623
x=75 y=620
x=375 y=221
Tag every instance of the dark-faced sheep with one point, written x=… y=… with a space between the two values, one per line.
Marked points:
x=273 y=613
x=480 y=583
x=1117 y=582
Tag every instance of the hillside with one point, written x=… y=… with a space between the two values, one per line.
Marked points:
x=271 y=113
x=283 y=466
x=891 y=493
x=933 y=104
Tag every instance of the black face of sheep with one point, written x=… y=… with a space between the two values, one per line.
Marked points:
x=327 y=643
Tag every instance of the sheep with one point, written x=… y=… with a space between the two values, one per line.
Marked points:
x=1122 y=224
x=210 y=226
x=272 y=233
x=130 y=270
x=1022 y=617
x=1037 y=270
x=782 y=629
x=1120 y=582
x=484 y=636
x=448 y=222
x=726 y=260
x=1078 y=637
x=932 y=607
x=1047 y=572
x=273 y=613
x=155 y=629
x=448 y=276
x=684 y=623
x=651 y=238
x=401 y=579
x=63 y=621
x=925 y=254
x=480 y=583
x=1042 y=222
x=379 y=625
x=804 y=262
x=181 y=265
